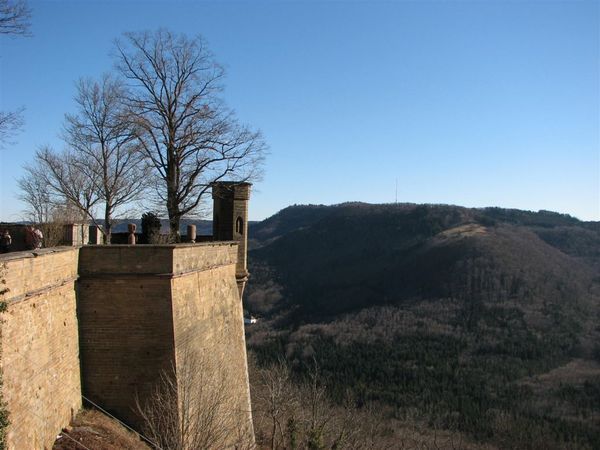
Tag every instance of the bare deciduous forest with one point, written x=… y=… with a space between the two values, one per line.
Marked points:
x=478 y=323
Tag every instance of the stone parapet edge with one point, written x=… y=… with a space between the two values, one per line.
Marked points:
x=40 y=291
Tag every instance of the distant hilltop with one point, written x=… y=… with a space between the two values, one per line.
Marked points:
x=465 y=317
x=424 y=217
x=331 y=260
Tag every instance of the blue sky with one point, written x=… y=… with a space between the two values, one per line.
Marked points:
x=473 y=103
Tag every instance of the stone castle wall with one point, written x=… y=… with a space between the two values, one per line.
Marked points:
x=208 y=325
x=126 y=324
x=140 y=310
x=40 y=354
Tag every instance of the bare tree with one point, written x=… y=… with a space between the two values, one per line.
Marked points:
x=52 y=187
x=318 y=410
x=104 y=147
x=11 y=122
x=191 y=408
x=50 y=210
x=69 y=180
x=14 y=17
x=101 y=166
x=190 y=138
x=14 y=20
x=297 y=413
x=275 y=401
x=35 y=193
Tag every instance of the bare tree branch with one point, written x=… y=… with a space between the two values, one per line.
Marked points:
x=11 y=123
x=35 y=193
x=68 y=181
x=15 y=16
x=191 y=408
x=185 y=131
x=105 y=150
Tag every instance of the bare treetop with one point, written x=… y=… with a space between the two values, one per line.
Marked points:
x=184 y=128
x=11 y=122
x=15 y=17
x=101 y=166
x=102 y=138
x=68 y=178
x=14 y=20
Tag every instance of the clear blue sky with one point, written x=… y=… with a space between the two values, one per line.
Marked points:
x=473 y=103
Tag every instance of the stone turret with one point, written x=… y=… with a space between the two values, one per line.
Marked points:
x=230 y=221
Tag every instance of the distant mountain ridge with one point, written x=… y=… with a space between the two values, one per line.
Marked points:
x=300 y=216
x=403 y=243
x=435 y=307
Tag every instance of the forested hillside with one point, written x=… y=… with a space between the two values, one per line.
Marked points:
x=483 y=321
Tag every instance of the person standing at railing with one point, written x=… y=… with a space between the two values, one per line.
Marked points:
x=5 y=242
x=33 y=238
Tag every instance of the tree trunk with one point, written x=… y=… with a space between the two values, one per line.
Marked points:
x=174 y=218
x=172 y=203
x=174 y=228
x=107 y=227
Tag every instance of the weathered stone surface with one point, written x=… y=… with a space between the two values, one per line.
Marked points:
x=110 y=259
x=40 y=361
x=126 y=330
x=31 y=271
x=148 y=306
x=208 y=320
x=76 y=234
x=230 y=221
x=133 y=313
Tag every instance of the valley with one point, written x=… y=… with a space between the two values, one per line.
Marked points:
x=484 y=322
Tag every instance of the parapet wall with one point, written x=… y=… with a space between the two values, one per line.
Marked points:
x=125 y=323
x=145 y=310
x=208 y=326
x=40 y=355
x=107 y=321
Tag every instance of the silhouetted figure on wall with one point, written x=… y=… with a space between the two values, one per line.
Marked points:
x=5 y=242
x=33 y=238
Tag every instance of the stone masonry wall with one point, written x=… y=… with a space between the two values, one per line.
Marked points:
x=40 y=361
x=142 y=307
x=134 y=312
x=208 y=324
x=126 y=324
